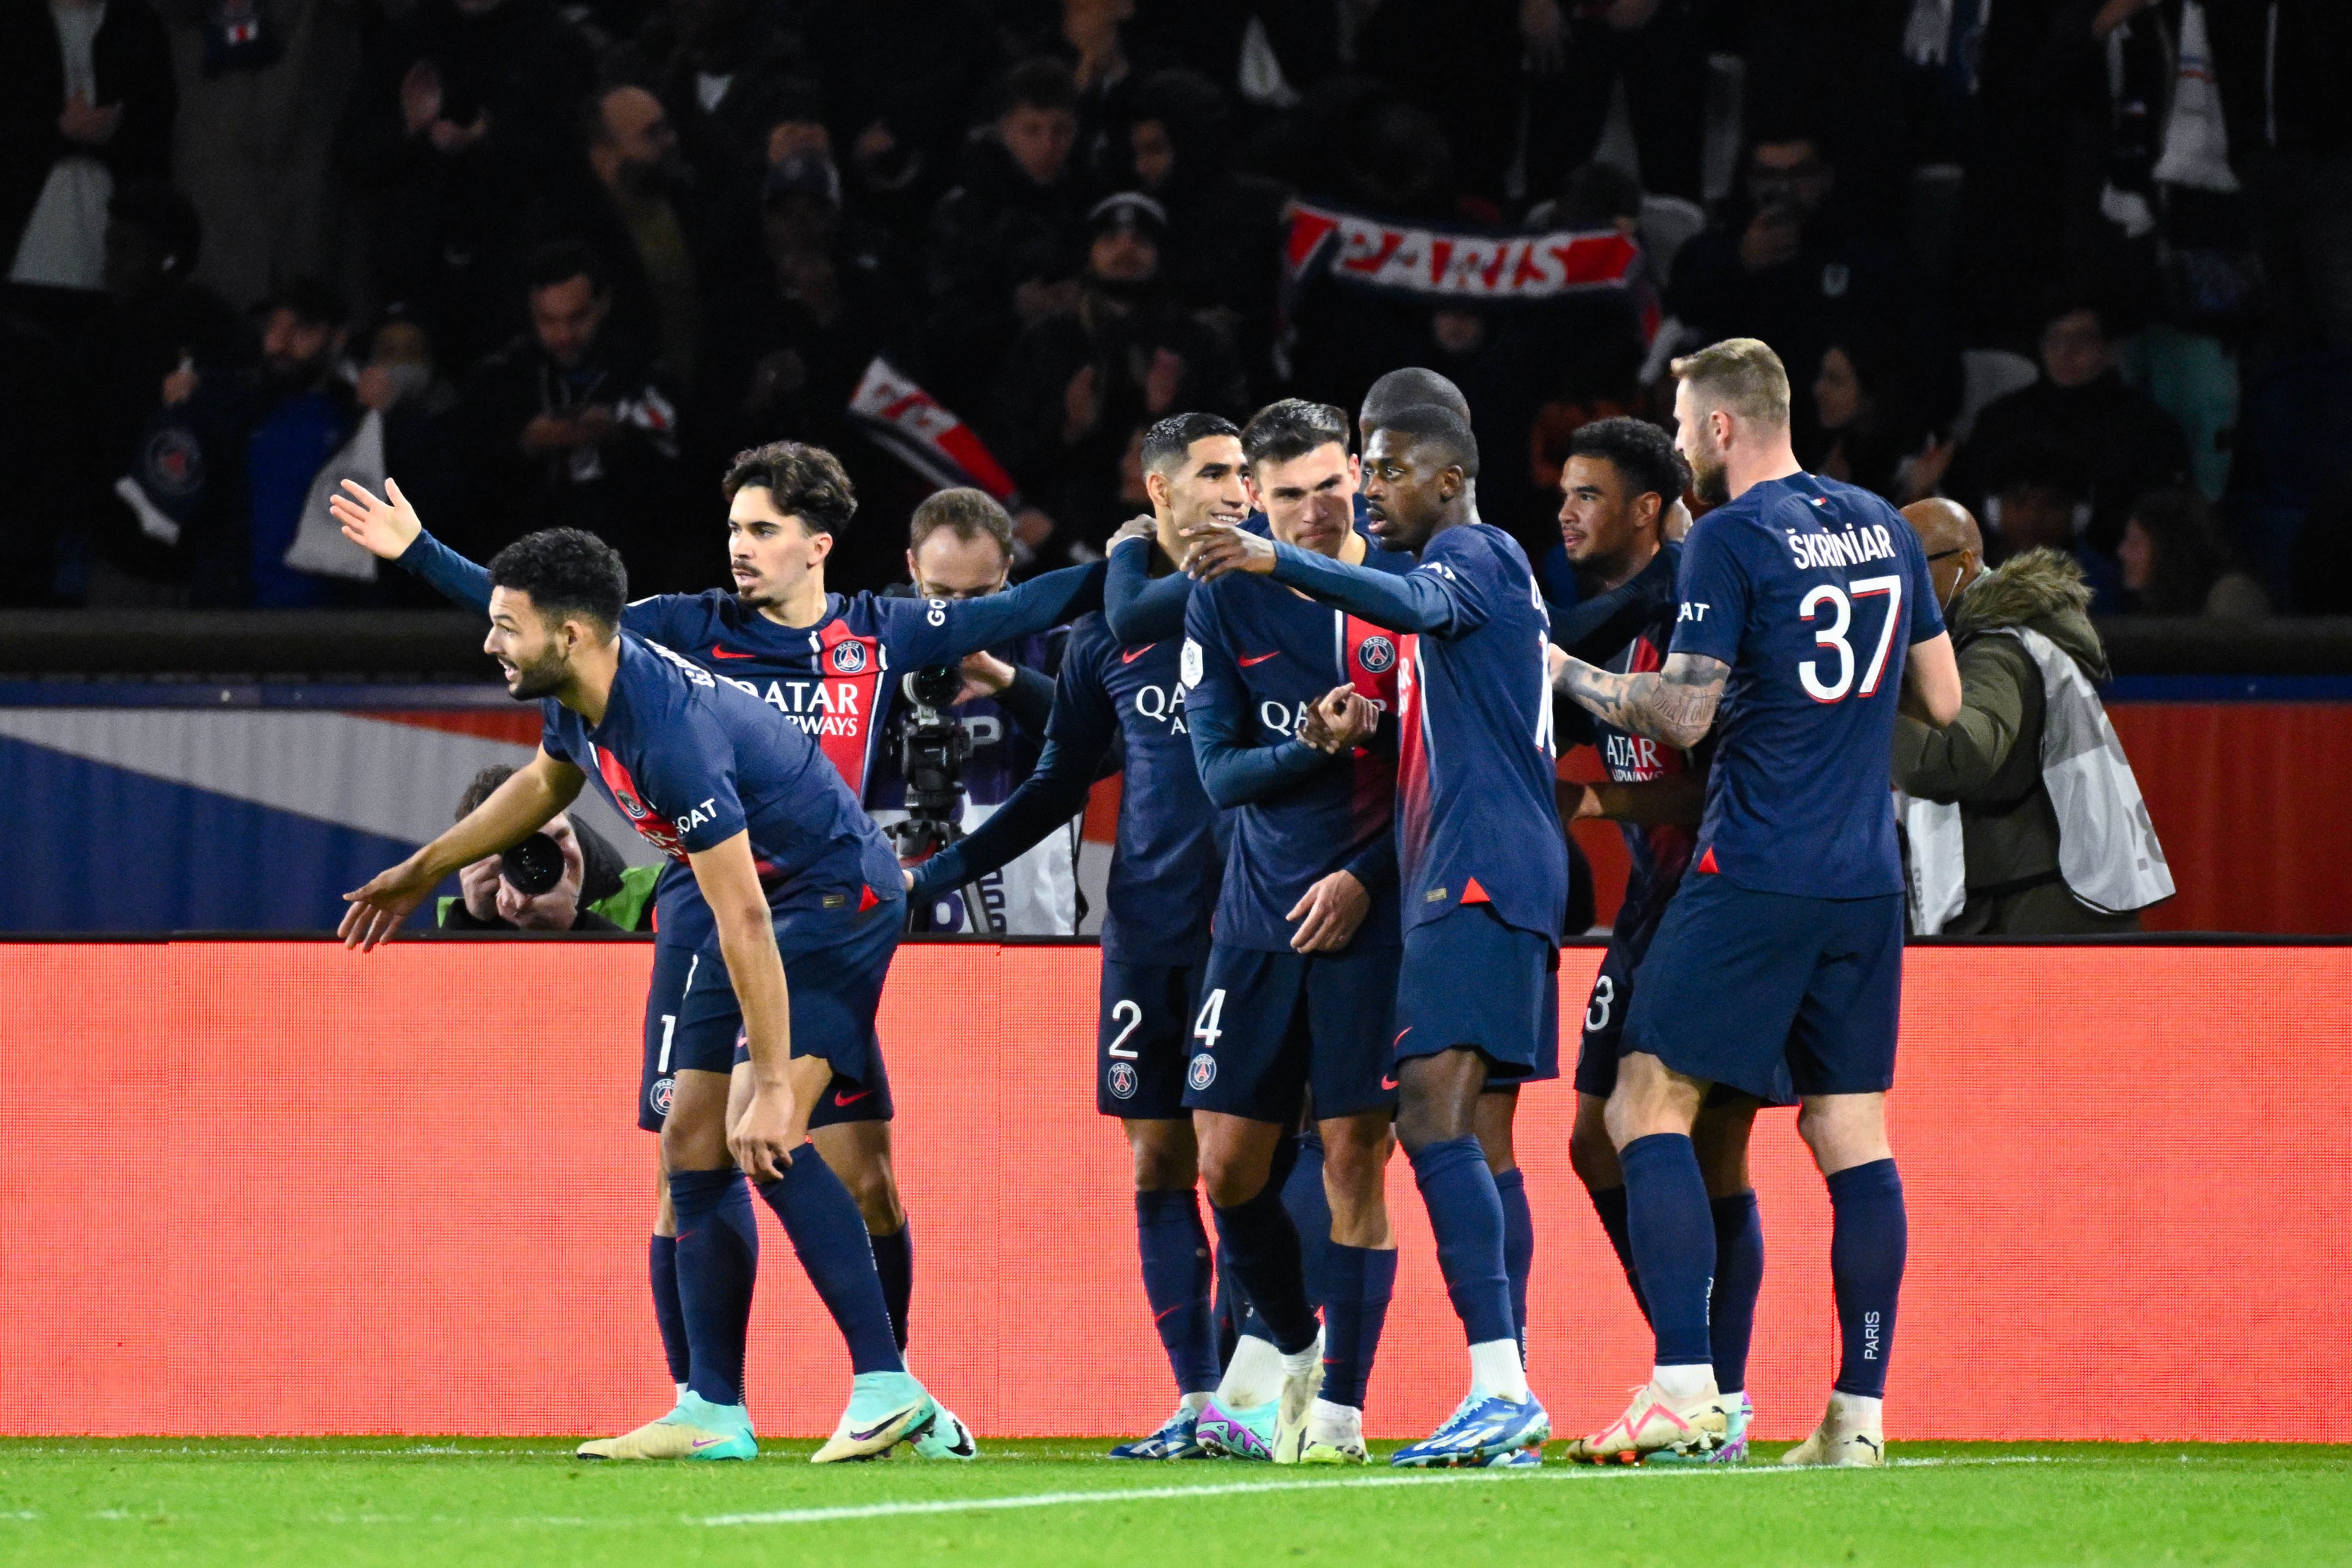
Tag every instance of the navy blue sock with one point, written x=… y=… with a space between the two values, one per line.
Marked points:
x=1233 y=1309
x=1674 y=1242
x=1176 y=1282
x=1466 y=1216
x=1518 y=1246
x=829 y=1234
x=1310 y=1211
x=1869 y=1236
x=894 y=1264
x=1362 y=1281
x=1738 y=1276
x=663 y=1259
x=1609 y=1203
x=1264 y=1245
x=718 y=1259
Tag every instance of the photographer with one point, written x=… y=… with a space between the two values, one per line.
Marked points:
x=2021 y=816
x=564 y=878
x=959 y=546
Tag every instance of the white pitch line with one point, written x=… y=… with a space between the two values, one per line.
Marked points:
x=1237 y=1489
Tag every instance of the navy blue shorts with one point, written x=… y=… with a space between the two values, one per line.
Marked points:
x=1141 y=1039
x=1770 y=993
x=1468 y=979
x=834 y=969
x=1613 y=994
x=1271 y=1025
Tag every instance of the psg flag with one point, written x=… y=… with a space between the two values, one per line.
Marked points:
x=910 y=425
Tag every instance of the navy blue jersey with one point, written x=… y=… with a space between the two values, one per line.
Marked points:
x=1256 y=658
x=1661 y=852
x=691 y=762
x=1164 y=868
x=838 y=679
x=1476 y=823
x=1812 y=592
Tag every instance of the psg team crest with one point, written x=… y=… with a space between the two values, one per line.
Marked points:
x=1376 y=654
x=173 y=464
x=664 y=1091
x=1204 y=1071
x=848 y=657
x=1121 y=1079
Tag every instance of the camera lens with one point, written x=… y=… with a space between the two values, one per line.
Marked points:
x=935 y=686
x=533 y=866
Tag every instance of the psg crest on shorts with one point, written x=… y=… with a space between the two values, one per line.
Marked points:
x=1376 y=654
x=1203 y=1072
x=664 y=1091
x=848 y=657
x=1121 y=1080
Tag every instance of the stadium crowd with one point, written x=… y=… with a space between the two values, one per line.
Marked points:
x=2084 y=266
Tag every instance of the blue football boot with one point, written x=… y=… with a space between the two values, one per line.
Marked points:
x=1176 y=1439
x=1481 y=1430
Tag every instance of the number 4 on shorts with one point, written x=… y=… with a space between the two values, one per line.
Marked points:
x=1208 y=1024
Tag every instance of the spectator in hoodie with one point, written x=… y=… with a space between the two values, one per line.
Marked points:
x=1007 y=244
x=2124 y=440
x=1222 y=224
x=464 y=110
x=1078 y=384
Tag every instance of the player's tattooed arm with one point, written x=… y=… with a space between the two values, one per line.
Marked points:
x=1675 y=705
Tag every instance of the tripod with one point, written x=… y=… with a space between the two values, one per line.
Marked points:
x=925 y=833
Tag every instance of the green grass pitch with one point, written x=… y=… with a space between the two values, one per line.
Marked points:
x=420 y=1504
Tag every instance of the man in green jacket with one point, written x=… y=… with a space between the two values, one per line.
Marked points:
x=597 y=891
x=1989 y=759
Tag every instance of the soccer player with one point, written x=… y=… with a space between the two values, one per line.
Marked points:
x=1619 y=477
x=1163 y=885
x=1806 y=613
x=1300 y=983
x=769 y=849
x=1498 y=1103
x=1483 y=863
x=830 y=663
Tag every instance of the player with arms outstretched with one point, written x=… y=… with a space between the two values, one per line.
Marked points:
x=1164 y=876
x=1806 y=614
x=771 y=851
x=1484 y=867
x=829 y=662
x=1301 y=979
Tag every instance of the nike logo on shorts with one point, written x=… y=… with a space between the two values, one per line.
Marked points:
x=1386 y=1083
x=841 y=1097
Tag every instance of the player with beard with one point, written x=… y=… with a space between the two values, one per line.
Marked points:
x=1483 y=865
x=1163 y=888
x=770 y=851
x=1806 y=611
x=1620 y=478
x=829 y=662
